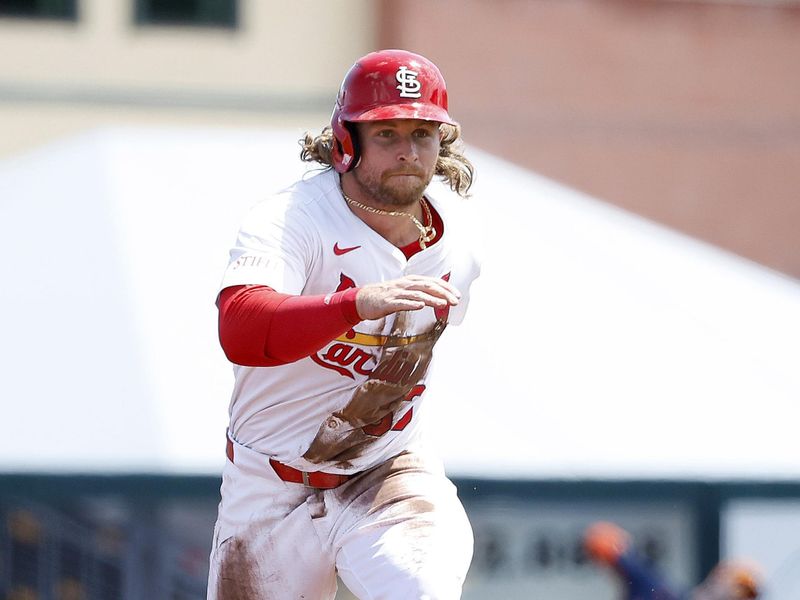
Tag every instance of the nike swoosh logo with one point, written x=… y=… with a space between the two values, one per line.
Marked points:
x=339 y=251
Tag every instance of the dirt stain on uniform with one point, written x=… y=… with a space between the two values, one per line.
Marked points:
x=399 y=490
x=316 y=505
x=345 y=433
x=399 y=479
x=238 y=572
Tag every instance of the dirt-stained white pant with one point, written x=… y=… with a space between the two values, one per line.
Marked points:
x=396 y=532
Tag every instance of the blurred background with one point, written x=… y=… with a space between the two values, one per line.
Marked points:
x=631 y=352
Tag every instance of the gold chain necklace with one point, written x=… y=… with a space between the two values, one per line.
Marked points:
x=426 y=232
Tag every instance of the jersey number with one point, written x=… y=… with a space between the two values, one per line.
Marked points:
x=385 y=424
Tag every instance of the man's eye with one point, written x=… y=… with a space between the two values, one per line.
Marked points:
x=385 y=133
x=426 y=133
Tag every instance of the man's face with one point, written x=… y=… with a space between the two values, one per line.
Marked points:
x=398 y=159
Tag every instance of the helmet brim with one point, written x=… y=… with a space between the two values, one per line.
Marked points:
x=407 y=110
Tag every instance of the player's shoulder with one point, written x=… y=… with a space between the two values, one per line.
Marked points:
x=464 y=221
x=457 y=212
x=311 y=189
x=447 y=201
x=298 y=202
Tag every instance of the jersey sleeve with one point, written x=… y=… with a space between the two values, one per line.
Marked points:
x=259 y=327
x=276 y=247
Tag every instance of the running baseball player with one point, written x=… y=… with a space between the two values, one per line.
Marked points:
x=336 y=293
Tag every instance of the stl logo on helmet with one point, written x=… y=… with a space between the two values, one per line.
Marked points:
x=409 y=86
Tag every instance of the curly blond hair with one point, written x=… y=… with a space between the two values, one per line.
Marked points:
x=452 y=166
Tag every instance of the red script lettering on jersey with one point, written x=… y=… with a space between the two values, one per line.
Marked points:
x=343 y=357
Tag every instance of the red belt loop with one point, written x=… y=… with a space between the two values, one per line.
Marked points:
x=229 y=450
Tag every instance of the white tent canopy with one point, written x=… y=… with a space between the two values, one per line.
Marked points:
x=597 y=344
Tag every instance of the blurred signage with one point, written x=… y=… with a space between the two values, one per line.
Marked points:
x=529 y=549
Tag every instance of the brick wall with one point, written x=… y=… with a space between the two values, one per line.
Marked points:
x=685 y=112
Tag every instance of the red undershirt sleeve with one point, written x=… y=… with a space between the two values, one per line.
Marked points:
x=259 y=327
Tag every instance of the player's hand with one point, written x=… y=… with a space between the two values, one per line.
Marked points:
x=412 y=292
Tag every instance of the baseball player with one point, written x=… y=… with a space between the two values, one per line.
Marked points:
x=610 y=545
x=336 y=293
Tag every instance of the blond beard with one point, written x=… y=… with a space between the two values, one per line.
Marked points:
x=382 y=193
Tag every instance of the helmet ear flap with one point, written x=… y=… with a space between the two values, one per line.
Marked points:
x=345 y=148
x=355 y=143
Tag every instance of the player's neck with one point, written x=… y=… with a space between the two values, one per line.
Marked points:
x=398 y=229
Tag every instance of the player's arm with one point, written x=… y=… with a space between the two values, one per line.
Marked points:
x=260 y=327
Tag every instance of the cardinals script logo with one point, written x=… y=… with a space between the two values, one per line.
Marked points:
x=391 y=367
x=409 y=86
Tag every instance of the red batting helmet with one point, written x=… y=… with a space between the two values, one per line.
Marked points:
x=389 y=84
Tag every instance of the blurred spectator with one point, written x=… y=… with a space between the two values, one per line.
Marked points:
x=610 y=545
x=736 y=580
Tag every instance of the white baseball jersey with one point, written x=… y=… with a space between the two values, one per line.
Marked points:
x=350 y=405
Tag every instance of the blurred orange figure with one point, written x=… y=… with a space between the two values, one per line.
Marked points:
x=735 y=580
x=611 y=546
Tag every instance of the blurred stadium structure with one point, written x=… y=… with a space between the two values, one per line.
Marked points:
x=53 y=553
x=657 y=389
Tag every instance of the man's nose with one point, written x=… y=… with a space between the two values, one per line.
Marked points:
x=408 y=151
